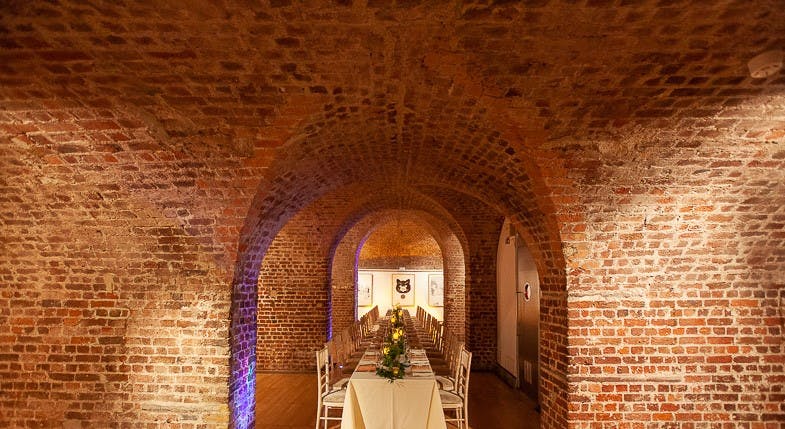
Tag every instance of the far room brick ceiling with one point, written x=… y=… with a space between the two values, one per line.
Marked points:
x=397 y=240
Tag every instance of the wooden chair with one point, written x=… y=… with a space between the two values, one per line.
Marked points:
x=458 y=400
x=337 y=380
x=452 y=359
x=327 y=399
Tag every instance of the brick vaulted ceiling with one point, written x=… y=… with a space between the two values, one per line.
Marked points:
x=452 y=94
x=397 y=242
x=152 y=146
x=395 y=82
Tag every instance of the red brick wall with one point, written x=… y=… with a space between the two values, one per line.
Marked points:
x=113 y=299
x=293 y=299
x=293 y=288
x=343 y=274
x=432 y=263
x=296 y=306
x=676 y=296
x=455 y=278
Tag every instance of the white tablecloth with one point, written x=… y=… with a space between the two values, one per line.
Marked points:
x=372 y=402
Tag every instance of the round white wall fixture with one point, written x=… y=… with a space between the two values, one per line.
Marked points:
x=765 y=64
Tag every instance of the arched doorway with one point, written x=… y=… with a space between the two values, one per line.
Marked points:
x=317 y=191
x=518 y=313
x=296 y=291
x=430 y=247
x=399 y=250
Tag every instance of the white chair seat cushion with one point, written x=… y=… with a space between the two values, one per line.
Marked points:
x=341 y=384
x=450 y=399
x=446 y=383
x=334 y=398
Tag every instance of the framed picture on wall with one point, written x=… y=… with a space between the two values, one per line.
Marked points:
x=436 y=290
x=403 y=290
x=364 y=289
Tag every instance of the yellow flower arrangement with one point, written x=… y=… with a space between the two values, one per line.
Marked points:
x=392 y=365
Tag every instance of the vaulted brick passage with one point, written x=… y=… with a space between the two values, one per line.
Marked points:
x=421 y=233
x=161 y=163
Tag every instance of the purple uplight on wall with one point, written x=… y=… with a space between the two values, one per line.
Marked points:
x=329 y=316
x=244 y=395
x=243 y=337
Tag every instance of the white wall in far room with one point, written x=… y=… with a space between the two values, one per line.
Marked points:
x=383 y=288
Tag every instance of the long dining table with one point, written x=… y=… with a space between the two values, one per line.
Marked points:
x=374 y=402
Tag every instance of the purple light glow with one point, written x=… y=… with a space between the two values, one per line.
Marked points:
x=242 y=383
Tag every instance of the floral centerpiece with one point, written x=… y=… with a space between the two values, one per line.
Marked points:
x=393 y=362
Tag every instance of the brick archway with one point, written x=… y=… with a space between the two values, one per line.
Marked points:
x=345 y=259
x=478 y=225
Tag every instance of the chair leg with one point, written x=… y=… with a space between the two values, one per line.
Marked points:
x=459 y=418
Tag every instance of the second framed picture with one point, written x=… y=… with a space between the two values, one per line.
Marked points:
x=403 y=290
x=364 y=289
x=436 y=290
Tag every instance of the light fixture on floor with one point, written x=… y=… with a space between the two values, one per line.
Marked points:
x=765 y=64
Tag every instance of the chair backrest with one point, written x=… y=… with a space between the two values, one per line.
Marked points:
x=323 y=372
x=357 y=335
x=368 y=325
x=348 y=341
x=342 y=347
x=434 y=327
x=365 y=325
x=462 y=377
x=447 y=344
x=332 y=350
x=452 y=353
x=439 y=339
x=455 y=359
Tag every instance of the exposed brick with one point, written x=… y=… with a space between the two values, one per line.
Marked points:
x=165 y=168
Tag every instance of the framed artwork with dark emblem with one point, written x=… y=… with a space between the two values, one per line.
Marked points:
x=364 y=289
x=403 y=290
x=436 y=290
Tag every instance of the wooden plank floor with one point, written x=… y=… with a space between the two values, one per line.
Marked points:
x=288 y=401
